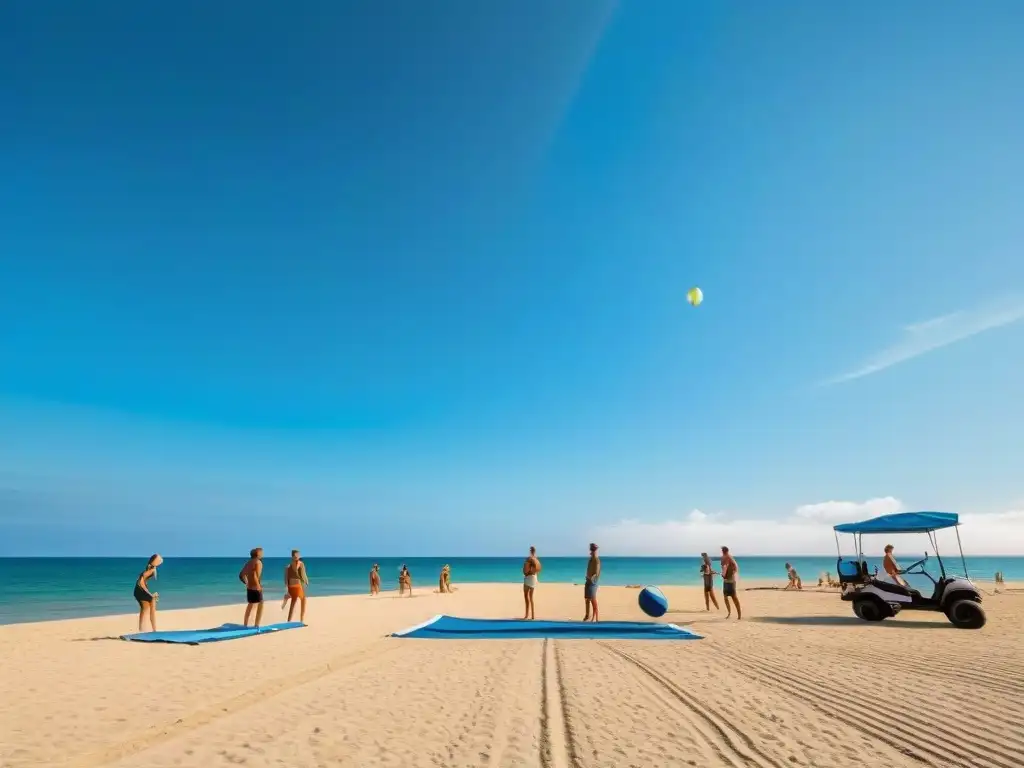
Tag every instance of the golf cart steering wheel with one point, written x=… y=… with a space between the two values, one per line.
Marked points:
x=910 y=568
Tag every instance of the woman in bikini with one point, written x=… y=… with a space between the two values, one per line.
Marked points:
x=145 y=598
x=296 y=580
x=375 y=579
x=707 y=573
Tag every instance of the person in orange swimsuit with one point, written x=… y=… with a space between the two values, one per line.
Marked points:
x=296 y=580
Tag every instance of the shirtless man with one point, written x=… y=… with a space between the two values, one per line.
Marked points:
x=375 y=579
x=730 y=570
x=893 y=568
x=794 y=578
x=295 y=581
x=531 y=568
x=590 y=587
x=251 y=575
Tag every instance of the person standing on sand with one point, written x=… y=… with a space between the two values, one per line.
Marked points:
x=295 y=581
x=404 y=581
x=590 y=587
x=531 y=569
x=375 y=580
x=707 y=573
x=145 y=598
x=730 y=572
x=252 y=576
x=794 y=578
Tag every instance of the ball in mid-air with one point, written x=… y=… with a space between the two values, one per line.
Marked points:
x=653 y=602
x=695 y=296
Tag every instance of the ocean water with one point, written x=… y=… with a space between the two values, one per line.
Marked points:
x=41 y=589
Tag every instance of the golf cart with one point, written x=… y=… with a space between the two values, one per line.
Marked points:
x=876 y=599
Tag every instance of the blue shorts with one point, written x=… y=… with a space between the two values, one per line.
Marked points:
x=590 y=591
x=729 y=588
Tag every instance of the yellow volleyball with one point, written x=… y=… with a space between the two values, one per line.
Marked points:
x=695 y=296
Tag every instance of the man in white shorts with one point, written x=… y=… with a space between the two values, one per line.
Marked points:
x=531 y=567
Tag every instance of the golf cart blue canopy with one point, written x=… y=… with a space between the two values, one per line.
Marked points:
x=903 y=522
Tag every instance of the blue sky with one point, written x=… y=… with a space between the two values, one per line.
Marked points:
x=413 y=282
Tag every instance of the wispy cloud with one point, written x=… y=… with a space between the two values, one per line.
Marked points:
x=807 y=530
x=920 y=338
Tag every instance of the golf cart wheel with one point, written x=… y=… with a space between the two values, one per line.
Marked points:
x=869 y=610
x=966 y=614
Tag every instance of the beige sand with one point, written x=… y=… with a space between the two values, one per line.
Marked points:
x=798 y=682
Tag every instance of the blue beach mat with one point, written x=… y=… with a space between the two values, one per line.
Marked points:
x=197 y=636
x=454 y=628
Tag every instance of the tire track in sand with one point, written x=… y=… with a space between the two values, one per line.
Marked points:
x=203 y=717
x=557 y=746
x=915 y=736
x=505 y=704
x=999 y=677
x=733 y=746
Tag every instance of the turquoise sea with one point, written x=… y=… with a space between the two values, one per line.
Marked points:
x=40 y=589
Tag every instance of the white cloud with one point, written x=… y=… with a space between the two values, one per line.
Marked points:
x=928 y=335
x=848 y=511
x=806 y=531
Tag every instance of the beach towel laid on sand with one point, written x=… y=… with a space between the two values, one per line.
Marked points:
x=213 y=635
x=454 y=628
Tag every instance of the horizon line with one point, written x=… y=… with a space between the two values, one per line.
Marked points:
x=444 y=557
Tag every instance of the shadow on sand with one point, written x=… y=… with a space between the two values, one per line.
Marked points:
x=844 y=621
x=94 y=639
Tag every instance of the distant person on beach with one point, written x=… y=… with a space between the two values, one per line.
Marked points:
x=375 y=580
x=531 y=569
x=444 y=583
x=252 y=576
x=730 y=572
x=892 y=567
x=404 y=581
x=590 y=587
x=145 y=598
x=295 y=581
x=794 y=578
x=707 y=573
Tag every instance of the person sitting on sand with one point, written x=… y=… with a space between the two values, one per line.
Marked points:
x=707 y=574
x=251 y=575
x=375 y=580
x=794 y=578
x=531 y=569
x=590 y=587
x=730 y=572
x=892 y=568
x=145 y=598
x=295 y=582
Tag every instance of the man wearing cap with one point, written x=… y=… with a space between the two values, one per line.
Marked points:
x=590 y=588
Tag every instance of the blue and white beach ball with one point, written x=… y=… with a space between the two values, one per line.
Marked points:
x=653 y=602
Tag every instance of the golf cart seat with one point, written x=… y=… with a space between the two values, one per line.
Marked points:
x=852 y=572
x=892 y=587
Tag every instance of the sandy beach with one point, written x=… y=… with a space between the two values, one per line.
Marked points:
x=798 y=682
